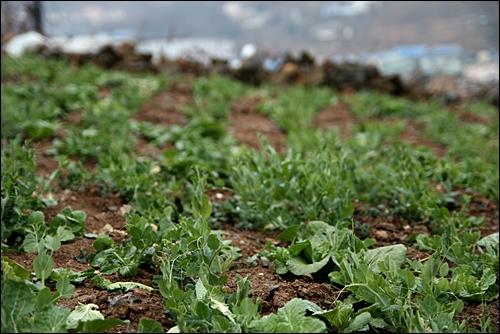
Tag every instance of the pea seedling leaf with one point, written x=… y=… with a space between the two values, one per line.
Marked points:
x=396 y=252
x=17 y=301
x=43 y=299
x=99 y=325
x=289 y=234
x=149 y=326
x=53 y=320
x=43 y=265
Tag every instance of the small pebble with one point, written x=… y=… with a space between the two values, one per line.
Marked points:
x=381 y=234
x=272 y=287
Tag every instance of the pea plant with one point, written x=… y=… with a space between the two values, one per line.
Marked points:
x=314 y=197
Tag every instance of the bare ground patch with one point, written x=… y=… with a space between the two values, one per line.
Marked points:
x=245 y=123
x=412 y=134
x=337 y=116
x=164 y=107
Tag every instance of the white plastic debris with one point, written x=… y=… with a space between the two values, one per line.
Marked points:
x=28 y=41
x=235 y=63
x=247 y=51
x=83 y=44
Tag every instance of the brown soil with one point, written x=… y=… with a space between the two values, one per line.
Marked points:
x=45 y=164
x=246 y=123
x=164 y=107
x=75 y=118
x=144 y=148
x=105 y=213
x=411 y=134
x=337 y=116
x=482 y=207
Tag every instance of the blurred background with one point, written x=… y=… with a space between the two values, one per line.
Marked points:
x=435 y=37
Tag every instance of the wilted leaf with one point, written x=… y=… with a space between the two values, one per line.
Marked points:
x=83 y=313
x=300 y=267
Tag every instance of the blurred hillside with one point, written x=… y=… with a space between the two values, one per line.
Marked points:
x=325 y=27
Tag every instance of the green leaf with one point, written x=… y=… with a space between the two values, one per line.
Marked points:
x=99 y=325
x=358 y=323
x=200 y=290
x=488 y=279
x=105 y=284
x=213 y=242
x=246 y=312
x=338 y=317
x=14 y=271
x=215 y=293
x=298 y=247
x=83 y=313
x=316 y=226
x=441 y=286
x=43 y=265
x=64 y=234
x=290 y=319
x=408 y=278
x=428 y=306
x=444 y=269
x=165 y=222
x=443 y=323
x=266 y=324
x=43 y=299
x=30 y=243
x=492 y=240
x=396 y=252
x=299 y=266
x=215 y=304
x=378 y=323
x=73 y=276
x=289 y=234
x=100 y=282
x=280 y=267
x=110 y=268
x=36 y=218
x=202 y=310
x=17 y=301
x=103 y=242
x=51 y=243
x=429 y=270
x=126 y=286
x=221 y=324
x=149 y=326
x=52 y=320
x=74 y=220
x=206 y=209
x=129 y=270
x=64 y=288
